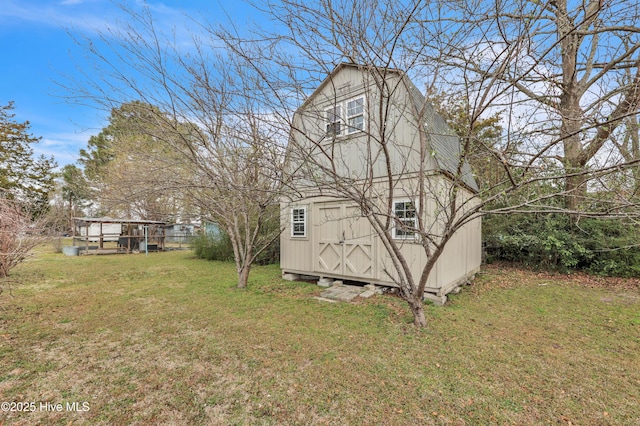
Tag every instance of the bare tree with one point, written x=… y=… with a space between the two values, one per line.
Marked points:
x=376 y=166
x=222 y=152
x=557 y=67
x=626 y=139
x=236 y=187
x=19 y=234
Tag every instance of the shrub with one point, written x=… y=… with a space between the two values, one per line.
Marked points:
x=217 y=246
x=19 y=234
x=213 y=246
x=554 y=242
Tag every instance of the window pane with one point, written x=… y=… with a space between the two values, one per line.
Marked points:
x=405 y=218
x=401 y=228
x=411 y=212
x=355 y=115
x=298 y=224
x=356 y=123
x=355 y=107
x=298 y=214
x=409 y=224
x=333 y=114
x=333 y=120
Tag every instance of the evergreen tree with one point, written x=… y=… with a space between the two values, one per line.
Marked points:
x=23 y=177
x=127 y=161
x=75 y=190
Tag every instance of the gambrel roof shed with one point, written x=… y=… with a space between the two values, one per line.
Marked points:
x=363 y=148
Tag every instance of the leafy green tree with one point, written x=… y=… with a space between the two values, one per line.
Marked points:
x=75 y=190
x=99 y=153
x=23 y=177
x=480 y=137
x=125 y=163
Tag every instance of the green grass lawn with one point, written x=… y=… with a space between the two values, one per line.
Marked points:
x=168 y=339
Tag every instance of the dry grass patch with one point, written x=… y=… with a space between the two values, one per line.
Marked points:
x=167 y=339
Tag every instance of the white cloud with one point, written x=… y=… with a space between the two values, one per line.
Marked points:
x=86 y=19
x=64 y=147
x=92 y=16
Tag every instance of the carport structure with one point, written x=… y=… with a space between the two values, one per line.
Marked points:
x=117 y=235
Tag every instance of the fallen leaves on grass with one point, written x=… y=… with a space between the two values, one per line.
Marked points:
x=506 y=275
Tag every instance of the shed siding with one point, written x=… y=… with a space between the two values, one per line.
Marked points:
x=363 y=257
x=352 y=152
x=295 y=255
x=295 y=252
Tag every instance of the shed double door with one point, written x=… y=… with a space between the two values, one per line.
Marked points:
x=344 y=241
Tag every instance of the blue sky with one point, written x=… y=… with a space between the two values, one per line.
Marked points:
x=37 y=51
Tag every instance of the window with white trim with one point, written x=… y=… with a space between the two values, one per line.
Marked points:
x=334 y=121
x=345 y=117
x=405 y=220
x=299 y=222
x=355 y=115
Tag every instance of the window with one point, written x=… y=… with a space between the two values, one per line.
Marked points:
x=405 y=218
x=333 y=117
x=347 y=115
x=299 y=222
x=355 y=115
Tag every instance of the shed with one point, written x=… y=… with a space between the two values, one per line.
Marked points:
x=326 y=236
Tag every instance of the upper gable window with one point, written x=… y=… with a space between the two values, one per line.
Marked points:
x=334 y=120
x=355 y=115
x=345 y=118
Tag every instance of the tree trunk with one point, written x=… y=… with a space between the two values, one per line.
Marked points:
x=576 y=192
x=574 y=161
x=70 y=213
x=243 y=276
x=417 y=309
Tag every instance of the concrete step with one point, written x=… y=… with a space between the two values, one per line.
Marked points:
x=346 y=293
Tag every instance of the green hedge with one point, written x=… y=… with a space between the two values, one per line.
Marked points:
x=217 y=246
x=555 y=242
x=213 y=247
